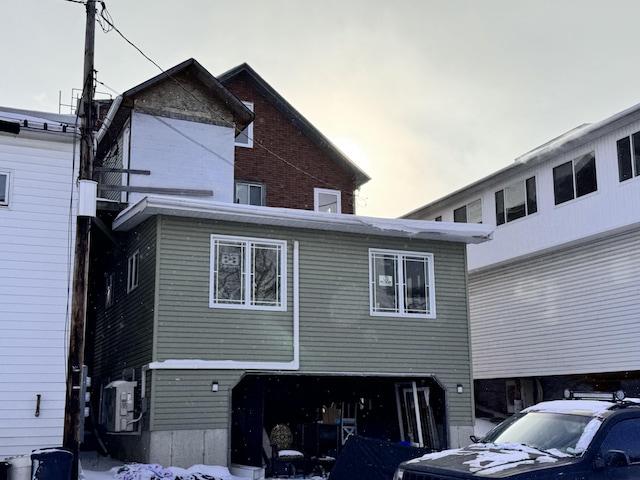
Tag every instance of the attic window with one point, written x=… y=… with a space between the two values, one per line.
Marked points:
x=245 y=137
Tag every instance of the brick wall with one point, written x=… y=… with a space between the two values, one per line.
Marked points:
x=284 y=159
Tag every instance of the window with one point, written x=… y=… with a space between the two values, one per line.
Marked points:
x=624 y=437
x=575 y=178
x=327 y=200
x=470 y=213
x=516 y=201
x=108 y=291
x=133 y=263
x=249 y=193
x=401 y=283
x=245 y=137
x=628 y=157
x=4 y=189
x=248 y=273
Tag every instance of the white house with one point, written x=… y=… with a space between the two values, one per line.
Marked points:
x=37 y=223
x=554 y=298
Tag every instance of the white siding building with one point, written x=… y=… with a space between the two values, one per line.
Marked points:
x=555 y=296
x=37 y=223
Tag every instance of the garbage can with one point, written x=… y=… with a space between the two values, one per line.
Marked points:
x=51 y=464
x=4 y=470
x=19 y=467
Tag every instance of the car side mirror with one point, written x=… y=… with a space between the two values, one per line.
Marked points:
x=612 y=459
x=474 y=439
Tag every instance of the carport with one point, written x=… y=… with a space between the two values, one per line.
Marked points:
x=402 y=409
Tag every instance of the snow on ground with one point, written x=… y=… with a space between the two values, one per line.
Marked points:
x=97 y=467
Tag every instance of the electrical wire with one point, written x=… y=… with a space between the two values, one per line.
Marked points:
x=108 y=20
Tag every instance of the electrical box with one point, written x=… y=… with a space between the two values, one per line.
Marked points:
x=117 y=410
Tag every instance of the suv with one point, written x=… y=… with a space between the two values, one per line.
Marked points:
x=583 y=437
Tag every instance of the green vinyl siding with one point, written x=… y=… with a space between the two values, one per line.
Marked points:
x=168 y=317
x=124 y=332
x=184 y=400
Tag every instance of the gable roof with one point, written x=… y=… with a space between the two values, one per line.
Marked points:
x=286 y=217
x=298 y=120
x=122 y=106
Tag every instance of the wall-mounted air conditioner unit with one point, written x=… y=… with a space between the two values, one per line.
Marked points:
x=117 y=407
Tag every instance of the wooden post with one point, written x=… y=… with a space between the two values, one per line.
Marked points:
x=74 y=406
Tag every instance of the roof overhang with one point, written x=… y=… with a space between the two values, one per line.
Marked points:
x=304 y=219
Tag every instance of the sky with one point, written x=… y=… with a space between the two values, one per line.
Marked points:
x=426 y=96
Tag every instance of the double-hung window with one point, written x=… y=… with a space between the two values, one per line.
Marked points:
x=575 y=178
x=250 y=193
x=401 y=283
x=4 y=189
x=245 y=137
x=516 y=201
x=628 y=157
x=248 y=273
x=470 y=213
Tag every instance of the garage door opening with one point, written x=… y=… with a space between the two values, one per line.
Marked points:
x=316 y=409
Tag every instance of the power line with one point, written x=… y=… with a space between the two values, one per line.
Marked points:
x=108 y=20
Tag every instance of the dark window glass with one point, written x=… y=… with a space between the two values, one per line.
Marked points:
x=585 y=168
x=500 y=219
x=636 y=152
x=460 y=215
x=532 y=202
x=563 y=183
x=624 y=159
x=625 y=437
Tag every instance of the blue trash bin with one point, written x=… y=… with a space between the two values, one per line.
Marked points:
x=51 y=464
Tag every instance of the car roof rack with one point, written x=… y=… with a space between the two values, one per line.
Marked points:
x=617 y=396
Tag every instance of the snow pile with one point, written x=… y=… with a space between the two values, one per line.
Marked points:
x=140 y=471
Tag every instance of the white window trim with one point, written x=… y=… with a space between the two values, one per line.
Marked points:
x=251 y=184
x=133 y=271
x=326 y=191
x=282 y=244
x=7 y=189
x=400 y=274
x=248 y=130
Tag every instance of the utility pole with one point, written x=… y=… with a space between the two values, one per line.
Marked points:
x=74 y=406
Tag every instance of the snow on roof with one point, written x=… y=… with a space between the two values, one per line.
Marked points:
x=39 y=120
x=285 y=217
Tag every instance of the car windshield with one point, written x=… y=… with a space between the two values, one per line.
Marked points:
x=544 y=431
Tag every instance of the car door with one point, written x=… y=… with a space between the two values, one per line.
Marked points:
x=619 y=455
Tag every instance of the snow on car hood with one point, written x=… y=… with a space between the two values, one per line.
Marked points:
x=491 y=460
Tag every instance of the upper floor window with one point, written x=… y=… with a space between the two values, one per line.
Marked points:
x=250 y=193
x=575 y=178
x=4 y=189
x=133 y=264
x=327 y=200
x=245 y=137
x=516 y=201
x=470 y=213
x=247 y=273
x=628 y=157
x=401 y=283
x=108 y=290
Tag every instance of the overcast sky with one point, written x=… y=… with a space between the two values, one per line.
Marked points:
x=425 y=95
